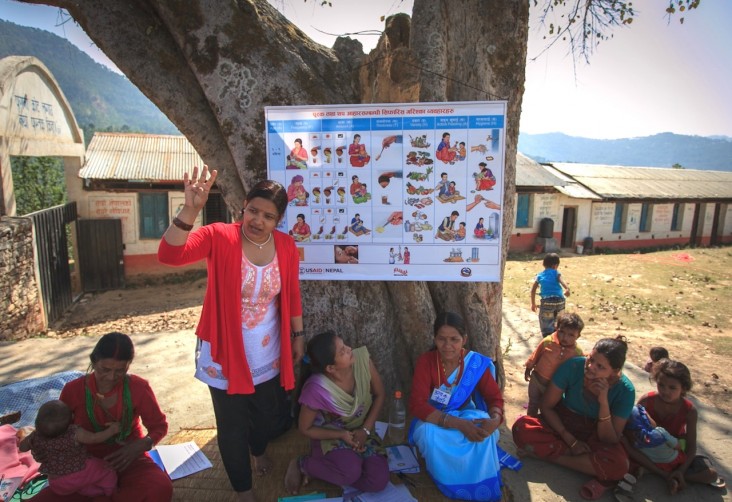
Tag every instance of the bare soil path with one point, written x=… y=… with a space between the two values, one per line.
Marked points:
x=621 y=294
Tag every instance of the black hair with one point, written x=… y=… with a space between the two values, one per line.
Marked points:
x=272 y=191
x=53 y=419
x=614 y=350
x=321 y=351
x=570 y=320
x=658 y=353
x=454 y=213
x=114 y=345
x=356 y=136
x=675 y=370
x=320 y=354
x=298 y=140
x=452 y=319
x=301 y=215
x=551 y=260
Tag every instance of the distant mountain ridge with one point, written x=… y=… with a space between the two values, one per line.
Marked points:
x=102 y=99
x=660 y=150
x=99 y=97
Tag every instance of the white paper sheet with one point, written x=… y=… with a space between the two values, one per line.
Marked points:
x=183 y=459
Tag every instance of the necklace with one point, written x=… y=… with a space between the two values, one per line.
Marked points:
x=260 y=246
x=444 y=371
x=125 y=418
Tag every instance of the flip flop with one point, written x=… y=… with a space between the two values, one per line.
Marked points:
x=593 y=490
x=623 y=492
x=718 y=483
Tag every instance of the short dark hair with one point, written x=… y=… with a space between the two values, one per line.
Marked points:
x=272 y=191
x=673 y=369
x=570 y=320
x=551 y=260
x=614 y=349
x=114 y=345
x=53 y=418
x=658 y=353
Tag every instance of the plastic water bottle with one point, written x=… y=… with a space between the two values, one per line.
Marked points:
x=397 y=419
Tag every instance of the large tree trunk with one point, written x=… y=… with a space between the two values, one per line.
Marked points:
x=212 y=66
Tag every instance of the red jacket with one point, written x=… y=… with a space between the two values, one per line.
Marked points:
x=220 y=324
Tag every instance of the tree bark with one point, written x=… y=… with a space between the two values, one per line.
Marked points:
x=212 y=66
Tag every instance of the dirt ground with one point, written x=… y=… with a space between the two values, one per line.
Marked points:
x=702 y=344
x=162 y=318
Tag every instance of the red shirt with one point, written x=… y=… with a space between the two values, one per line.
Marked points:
x=220 y=324
x=426 y=379
x=674 y=424
x=145 y=411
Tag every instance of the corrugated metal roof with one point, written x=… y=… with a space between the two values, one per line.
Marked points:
x=139 y=157
x=571 y=187
x=617 y=182
x=530 y=173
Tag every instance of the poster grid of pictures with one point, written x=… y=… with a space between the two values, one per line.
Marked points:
x=407 y=191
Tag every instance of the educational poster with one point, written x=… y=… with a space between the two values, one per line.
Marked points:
x=407 y=192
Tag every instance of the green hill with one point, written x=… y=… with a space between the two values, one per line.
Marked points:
x=101 y=99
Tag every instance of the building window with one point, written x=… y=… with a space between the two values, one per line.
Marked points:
x=621 y=212
x=646 y=217
x=677 y=217
x=215 y=209
x=523 y=210
x=153 y=215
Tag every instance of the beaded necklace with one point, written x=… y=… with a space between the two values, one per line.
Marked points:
x=441 y=364
x=126 y=418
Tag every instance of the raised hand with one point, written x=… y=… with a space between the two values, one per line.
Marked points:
x=196 y=188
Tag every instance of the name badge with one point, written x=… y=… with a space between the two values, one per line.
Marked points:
x=440 y=396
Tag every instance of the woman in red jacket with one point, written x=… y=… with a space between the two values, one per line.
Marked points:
x=251 y=323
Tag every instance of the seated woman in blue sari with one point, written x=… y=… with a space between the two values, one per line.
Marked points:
x=457 y=407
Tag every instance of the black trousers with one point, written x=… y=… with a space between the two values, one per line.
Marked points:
x=245 y=424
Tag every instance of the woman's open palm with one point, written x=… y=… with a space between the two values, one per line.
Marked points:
x=197 y=188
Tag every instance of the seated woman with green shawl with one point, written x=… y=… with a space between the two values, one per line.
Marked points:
x=340 y=401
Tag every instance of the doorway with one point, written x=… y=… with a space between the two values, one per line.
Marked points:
x=569 y=227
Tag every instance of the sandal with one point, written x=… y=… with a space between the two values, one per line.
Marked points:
x=718 y=483
x=623 y=491
x=593 y=490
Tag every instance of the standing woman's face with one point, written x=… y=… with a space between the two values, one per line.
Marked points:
x=260 y=218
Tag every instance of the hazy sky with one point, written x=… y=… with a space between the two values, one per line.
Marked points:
x=653 y=77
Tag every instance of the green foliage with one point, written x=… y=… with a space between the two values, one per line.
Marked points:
x=100 y=98
x=38 y=183
x=677 y=166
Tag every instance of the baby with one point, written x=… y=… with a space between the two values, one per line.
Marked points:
x=655 y=442
x=58 y=445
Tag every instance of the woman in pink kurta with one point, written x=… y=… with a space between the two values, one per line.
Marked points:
x=251 y=323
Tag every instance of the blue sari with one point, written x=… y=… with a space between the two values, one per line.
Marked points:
x=460 y=468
